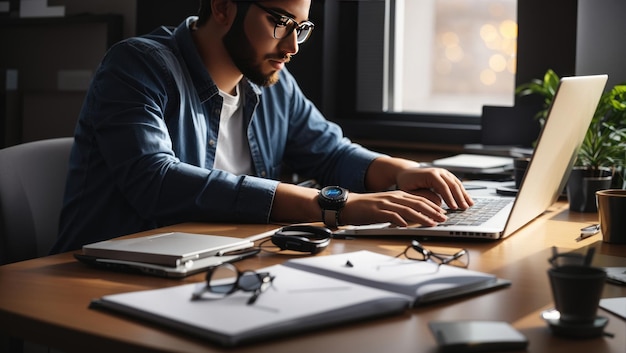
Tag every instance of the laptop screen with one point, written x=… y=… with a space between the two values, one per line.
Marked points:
x=569 y=117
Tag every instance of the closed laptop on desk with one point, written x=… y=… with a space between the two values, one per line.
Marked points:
x=167 y=249
x=475 y=164
x=570 y=115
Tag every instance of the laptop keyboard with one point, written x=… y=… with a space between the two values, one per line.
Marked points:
x=482 y=211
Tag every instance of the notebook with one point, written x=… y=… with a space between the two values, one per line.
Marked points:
x=315 y=292
x=616 y=275
x=616 y=306
x=569 y=117
x=475 y=164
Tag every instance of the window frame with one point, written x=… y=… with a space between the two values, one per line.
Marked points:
x=340 y=80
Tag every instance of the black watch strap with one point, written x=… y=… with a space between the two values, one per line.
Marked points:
x=331 y=200
x=330 y=218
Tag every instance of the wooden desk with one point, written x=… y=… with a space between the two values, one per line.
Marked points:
x=45 y=300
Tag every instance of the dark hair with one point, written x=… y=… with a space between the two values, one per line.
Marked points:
x=204 y=12
x=205 y=9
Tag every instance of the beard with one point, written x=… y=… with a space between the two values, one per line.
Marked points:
x=244 y=56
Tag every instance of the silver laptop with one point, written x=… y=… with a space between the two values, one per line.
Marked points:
x=168 y=249
x=180 y=271
x=568 y=120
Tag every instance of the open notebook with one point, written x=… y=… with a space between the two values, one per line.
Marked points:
x=569 y=117
x=306 y=293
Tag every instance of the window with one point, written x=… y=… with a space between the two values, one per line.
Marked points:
x=365 y=71
x=440 y=56
x=453 y=56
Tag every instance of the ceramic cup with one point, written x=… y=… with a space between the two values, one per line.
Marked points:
x=611 y=212
x=576 y=291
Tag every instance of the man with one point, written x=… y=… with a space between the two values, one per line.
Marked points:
x=193 y=124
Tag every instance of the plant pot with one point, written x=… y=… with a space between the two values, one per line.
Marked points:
x=619 y=179
x=582 y=186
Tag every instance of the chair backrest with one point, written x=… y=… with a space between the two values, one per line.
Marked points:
x=32 y=184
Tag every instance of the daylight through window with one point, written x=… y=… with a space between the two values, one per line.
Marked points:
x=452 y=56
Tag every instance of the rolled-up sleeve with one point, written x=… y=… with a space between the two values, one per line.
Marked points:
x=298 y=135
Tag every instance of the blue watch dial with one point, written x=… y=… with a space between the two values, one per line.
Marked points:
x=333 y=192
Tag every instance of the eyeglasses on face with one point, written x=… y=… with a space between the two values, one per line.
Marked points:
x=226 y=279
x=416 y=251
x=285 y=25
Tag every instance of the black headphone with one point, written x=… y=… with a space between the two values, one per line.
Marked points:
x=303 y=238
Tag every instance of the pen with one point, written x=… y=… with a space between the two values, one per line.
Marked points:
x=588 y=231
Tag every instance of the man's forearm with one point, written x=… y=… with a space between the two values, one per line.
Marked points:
x=383 y=171
x=294 y=203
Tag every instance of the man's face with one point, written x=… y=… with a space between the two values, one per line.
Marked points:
x=251 y=44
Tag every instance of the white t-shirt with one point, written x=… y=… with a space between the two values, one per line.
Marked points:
x=233 y=152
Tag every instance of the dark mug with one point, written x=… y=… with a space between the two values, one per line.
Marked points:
x=576 y=291
x=520 y=165
x=611 y=213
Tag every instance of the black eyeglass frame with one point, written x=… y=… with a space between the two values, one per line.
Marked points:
x=284 y=20
x=439 y=258
x=263 y=282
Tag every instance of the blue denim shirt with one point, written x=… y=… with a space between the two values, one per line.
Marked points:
x=146 y=138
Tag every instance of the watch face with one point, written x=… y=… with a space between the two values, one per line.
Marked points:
x=334 y=193
x=332 y=198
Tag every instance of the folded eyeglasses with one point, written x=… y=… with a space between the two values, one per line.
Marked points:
x=416 y=251
x=226 y=279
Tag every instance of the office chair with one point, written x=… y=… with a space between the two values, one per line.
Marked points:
x=32 y=183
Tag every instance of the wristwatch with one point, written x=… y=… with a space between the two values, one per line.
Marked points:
x=332 y=199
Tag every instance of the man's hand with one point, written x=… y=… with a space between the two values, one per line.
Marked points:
x=397 y=207
x=441 y=181
x=417 y=198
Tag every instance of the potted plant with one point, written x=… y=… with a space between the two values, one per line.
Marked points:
x=546 y=88
x=601 y=158
x=605 y=142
